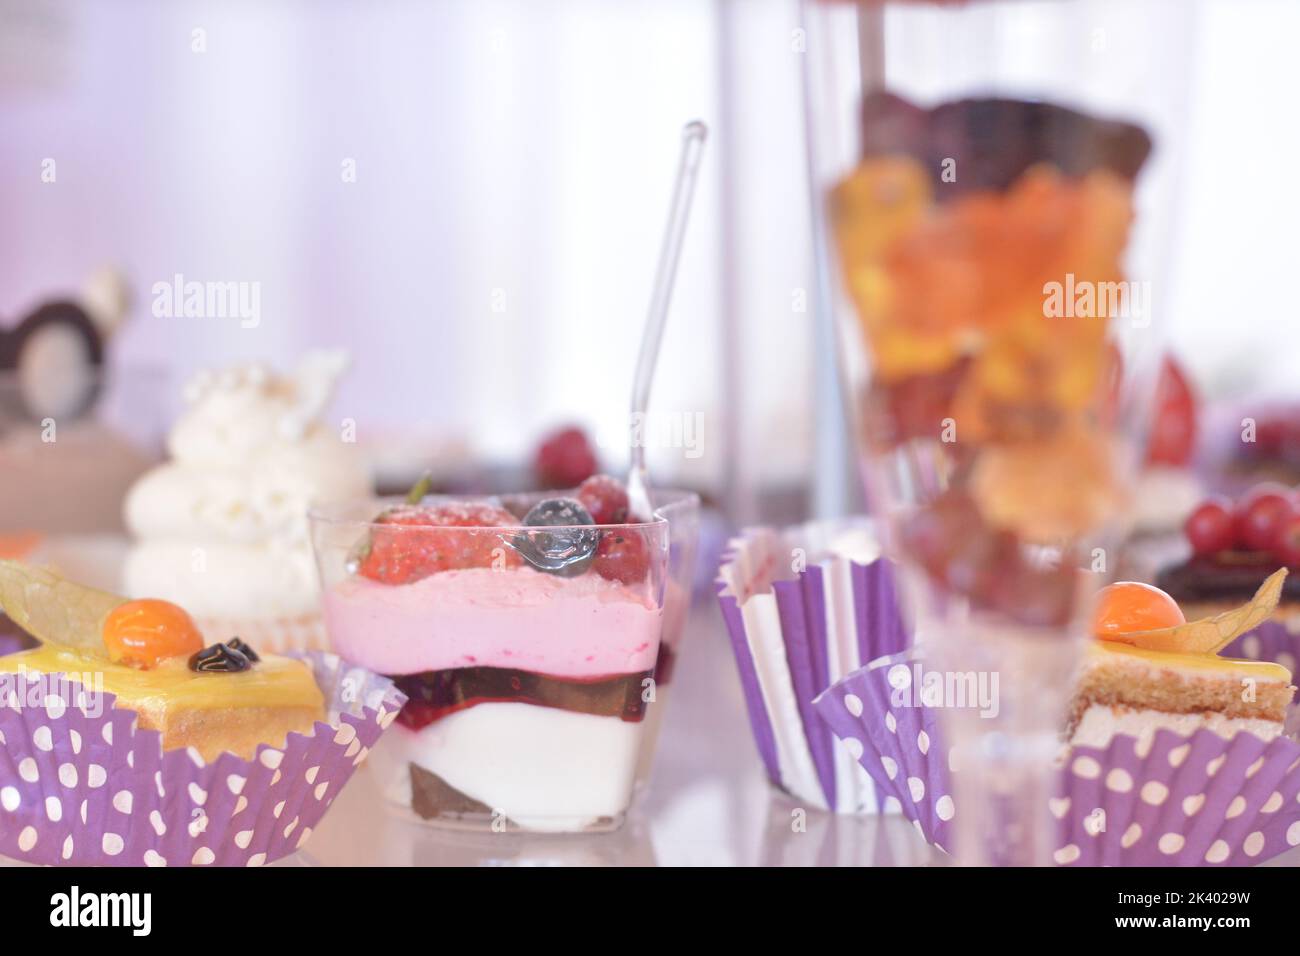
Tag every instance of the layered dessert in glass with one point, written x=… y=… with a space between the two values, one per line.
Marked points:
x=525 y=632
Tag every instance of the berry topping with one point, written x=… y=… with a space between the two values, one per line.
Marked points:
x=565 y=459
x=605 y=498
x=623 y=556
x=235 y=644
x=411 y=542
x=1129 y=606
x=1261 y=514
x=1286 y=546
x=142 y=633
x=1211 y=527
x=220 y=659
x=567 y=552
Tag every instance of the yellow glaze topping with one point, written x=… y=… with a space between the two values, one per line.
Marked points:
x=273 y=682
x=1263 y=671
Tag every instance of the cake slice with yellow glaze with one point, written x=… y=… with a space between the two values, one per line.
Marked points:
x=150 y=656
x=1150 y=669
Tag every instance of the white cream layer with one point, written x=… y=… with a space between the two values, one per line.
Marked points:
x=544 y=768
x=1100 y=723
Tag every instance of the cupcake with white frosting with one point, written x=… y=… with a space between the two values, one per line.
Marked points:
x=221 y=528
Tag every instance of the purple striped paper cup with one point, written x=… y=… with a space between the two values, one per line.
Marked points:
x=797 y=624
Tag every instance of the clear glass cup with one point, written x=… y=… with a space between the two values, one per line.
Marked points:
x=681 y=509
x=527 y=687
x=995 y=186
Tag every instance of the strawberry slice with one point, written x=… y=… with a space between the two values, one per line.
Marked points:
x=411 y=542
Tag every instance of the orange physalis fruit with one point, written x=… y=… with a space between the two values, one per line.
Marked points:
x=1129 y=606
x=142 y=633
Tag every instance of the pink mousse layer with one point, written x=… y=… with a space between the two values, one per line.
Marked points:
x=517 y=618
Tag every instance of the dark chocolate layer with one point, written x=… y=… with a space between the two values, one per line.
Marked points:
x=435 y=694
x=995 y=140
x=1232 y=577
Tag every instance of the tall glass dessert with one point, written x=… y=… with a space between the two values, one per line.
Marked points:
x=988 y=210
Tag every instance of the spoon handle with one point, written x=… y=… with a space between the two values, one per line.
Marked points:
x=693 y=137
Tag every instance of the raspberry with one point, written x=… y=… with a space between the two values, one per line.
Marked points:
x=605 y=498
x=401 y=552
x=565 y=459
x=622 y=556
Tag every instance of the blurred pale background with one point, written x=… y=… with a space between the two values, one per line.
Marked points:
x=490 y=265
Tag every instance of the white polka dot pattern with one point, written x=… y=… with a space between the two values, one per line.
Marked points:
x=1175 y=800
x=85 y=786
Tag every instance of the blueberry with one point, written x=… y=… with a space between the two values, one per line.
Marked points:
x=235 y=644
x=219 y=659
x=567 y=553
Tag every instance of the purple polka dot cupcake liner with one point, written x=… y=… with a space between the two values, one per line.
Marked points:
x=803 y=611
x=82 y=785
x=1172 y=800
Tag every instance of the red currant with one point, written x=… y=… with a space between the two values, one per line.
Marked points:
x=623 y=556
x=605 y=498
x=1211 y=527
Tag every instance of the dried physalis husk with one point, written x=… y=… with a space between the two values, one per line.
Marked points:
x=55 y=611
x=1210 y=635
